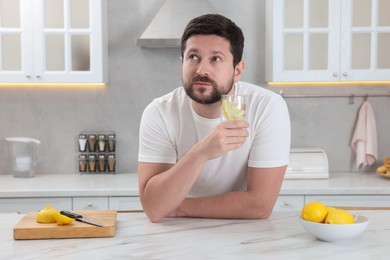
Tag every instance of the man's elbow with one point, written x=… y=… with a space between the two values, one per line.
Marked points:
x=153 y=216
x=261 y=211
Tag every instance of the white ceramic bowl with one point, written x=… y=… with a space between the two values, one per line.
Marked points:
x=336 y=232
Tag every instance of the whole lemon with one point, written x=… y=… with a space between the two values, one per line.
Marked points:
x=314 y=211
x=339 y=216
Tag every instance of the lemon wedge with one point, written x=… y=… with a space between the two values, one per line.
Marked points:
x=51 y=215
x=232 y=111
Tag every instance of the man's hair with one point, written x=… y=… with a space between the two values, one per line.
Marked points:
x=215 y=24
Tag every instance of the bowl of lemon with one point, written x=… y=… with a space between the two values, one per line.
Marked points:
x=331 y=224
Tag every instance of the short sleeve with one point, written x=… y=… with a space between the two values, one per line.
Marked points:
x=272 y=135
x=155 y=145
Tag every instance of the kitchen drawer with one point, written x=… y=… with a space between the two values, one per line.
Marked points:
x=90 y=203
x=352 y=201
x=125 y=203
x=289 y=203
x=24 y=205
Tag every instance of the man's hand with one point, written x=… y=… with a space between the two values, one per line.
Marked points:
x=227 y=136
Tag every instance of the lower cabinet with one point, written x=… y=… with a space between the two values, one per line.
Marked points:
x=90 y=203
x=352 y=200
x=124 y=203
x=24 y=205
x=283 y=203
x=289 y=203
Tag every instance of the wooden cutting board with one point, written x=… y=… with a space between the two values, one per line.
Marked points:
x=28 y=228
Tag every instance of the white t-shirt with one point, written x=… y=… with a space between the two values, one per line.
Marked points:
x=170 y=127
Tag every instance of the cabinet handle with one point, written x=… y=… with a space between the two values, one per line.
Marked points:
x=89 y=204
x=345 y=74
x=335 y=74
x=286 y=203
x=38 y=76
x=28 y=76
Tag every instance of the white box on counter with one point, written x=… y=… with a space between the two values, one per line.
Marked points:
x=307 y=163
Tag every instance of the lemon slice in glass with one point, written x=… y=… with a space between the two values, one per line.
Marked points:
x=232 y=110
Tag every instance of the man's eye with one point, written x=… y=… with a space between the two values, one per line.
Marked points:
x=216 y=59
x=193 y=57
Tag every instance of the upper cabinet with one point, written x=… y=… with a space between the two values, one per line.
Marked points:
x=328 y=40
x=53 y=41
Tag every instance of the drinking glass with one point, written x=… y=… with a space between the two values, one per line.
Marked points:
x=233 y=107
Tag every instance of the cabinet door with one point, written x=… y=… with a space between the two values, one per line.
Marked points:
x=68 y=35
x=90 y=203
x=303 y=38
x=24 y=205
x=365 y=42
x=125 y=203
x=53 y=41
x=16 y=59
x=352 y=201
x=289 y=203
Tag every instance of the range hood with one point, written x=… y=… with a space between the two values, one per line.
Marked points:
x=167 y=26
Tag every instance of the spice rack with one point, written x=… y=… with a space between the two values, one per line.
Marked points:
x=97 y=152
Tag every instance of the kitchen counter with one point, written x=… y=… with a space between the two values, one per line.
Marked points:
x=280 y=237
x=126 y=184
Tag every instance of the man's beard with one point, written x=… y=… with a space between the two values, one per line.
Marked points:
x=213 y=97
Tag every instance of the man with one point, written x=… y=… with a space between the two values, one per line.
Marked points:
x=191 y=164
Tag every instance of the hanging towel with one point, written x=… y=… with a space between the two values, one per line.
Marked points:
x=364 y=141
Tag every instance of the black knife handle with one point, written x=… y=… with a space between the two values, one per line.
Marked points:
x=70 y=214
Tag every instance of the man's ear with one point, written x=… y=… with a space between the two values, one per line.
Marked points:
x=238 y=70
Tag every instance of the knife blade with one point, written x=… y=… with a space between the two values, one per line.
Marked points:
x=80 y=218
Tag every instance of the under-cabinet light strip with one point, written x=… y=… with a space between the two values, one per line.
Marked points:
x=326 y=83
x=54 y=85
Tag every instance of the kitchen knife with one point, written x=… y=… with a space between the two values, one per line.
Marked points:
x=80 y=218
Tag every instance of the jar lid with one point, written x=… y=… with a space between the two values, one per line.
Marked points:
x=83 y=136
x=111 y=136
x=82 y=156
x=111 y=156
x=102 y=156
x=91 y=156
x=102 y=136
x=92 y=136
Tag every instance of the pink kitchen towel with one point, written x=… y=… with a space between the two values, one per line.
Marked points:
x=364 y=141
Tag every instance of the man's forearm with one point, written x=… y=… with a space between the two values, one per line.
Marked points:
x=240 y=205
x=165 y=191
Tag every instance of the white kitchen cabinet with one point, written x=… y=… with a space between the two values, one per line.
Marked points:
x=53 y=41
x=289 y=203
x=24 y=205
x=352 y=200
x=125 y=203
x=328 y=40
x=90 y=203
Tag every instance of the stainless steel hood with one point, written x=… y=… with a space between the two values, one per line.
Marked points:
x=167 y=26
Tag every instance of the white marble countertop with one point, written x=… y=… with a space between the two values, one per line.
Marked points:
x=65 y=185
x=280 y=237
x=126 y=184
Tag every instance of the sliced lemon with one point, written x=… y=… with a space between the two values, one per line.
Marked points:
x=62 y=219
x=232 y=111
x=46 y=215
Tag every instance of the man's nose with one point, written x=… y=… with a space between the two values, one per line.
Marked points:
x=203 y=68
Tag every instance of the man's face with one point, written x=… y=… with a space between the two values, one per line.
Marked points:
x=207 y=71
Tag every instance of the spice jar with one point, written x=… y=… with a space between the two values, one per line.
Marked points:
x=92 y=142
x=111 y=162
x=111 y=142
x=102 y=143
x=92 y=163
x=102 y=163
x=82 y=163
x=82 y=142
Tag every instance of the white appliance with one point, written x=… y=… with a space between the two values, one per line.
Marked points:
x=307 y=163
